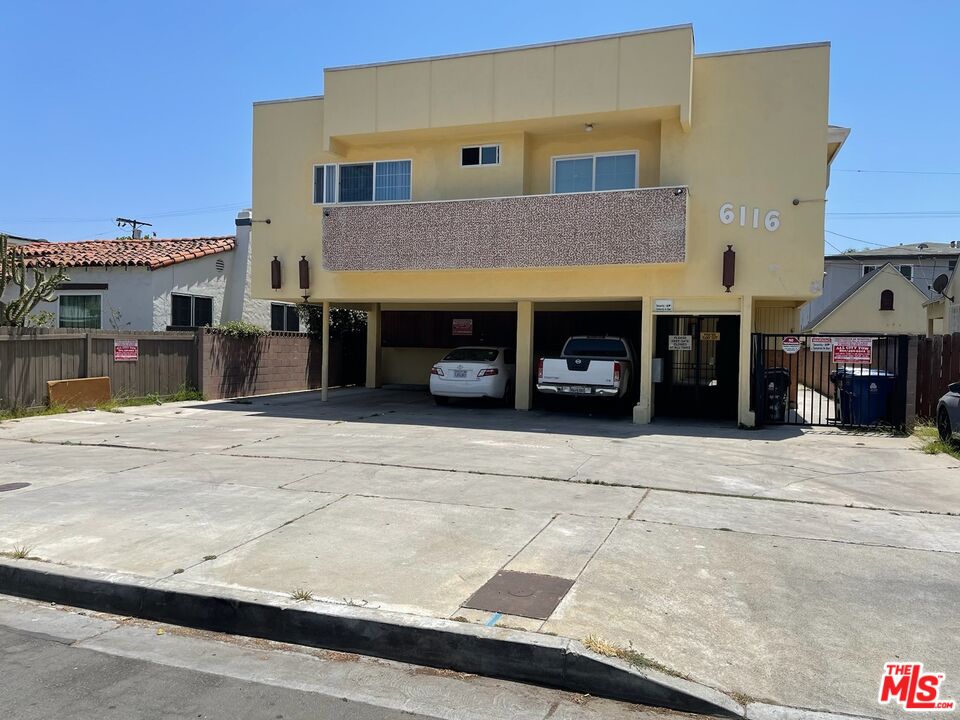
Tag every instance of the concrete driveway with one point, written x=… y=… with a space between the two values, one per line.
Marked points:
x=784 y=565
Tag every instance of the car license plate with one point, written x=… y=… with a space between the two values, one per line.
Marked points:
x=459 y=373
x=577 y=389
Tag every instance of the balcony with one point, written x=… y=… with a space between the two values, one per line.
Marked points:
x=622 y=227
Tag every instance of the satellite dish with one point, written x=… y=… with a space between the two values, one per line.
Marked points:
x=940 y=282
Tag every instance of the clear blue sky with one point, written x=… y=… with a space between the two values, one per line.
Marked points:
x=144 y=109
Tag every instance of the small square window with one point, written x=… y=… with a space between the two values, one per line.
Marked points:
x=480 y=155
x=284 y=318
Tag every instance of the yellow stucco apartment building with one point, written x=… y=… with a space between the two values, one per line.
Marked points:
x=518 y=196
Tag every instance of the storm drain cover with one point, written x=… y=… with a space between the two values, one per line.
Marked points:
x=517 y=593
x=13 y=486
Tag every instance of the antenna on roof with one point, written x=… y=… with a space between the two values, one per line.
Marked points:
x=135 y=226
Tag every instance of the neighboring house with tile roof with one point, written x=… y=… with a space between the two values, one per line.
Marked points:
x=882 y=302
x=19 y=240
x=918 y=262
x=154 y=284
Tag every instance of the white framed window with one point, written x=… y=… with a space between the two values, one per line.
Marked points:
x=867 y=269
x=284 y=318
x=80 y=311
x=590 y=173
x=190 y=310
x=324 y=184
x=906 y=271
x=378 y=181
x=479 y=155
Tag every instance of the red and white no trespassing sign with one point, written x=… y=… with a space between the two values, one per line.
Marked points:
x=852 y=350
x=126 y=350
x=790 y=344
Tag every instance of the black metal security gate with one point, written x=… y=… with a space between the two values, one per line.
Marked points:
x=844 y=380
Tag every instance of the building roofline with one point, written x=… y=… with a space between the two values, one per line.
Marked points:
x=515 y=48
x=771 y=48
x=305 y=98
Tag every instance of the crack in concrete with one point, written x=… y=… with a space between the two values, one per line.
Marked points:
x=250 y=540
x=793 y=537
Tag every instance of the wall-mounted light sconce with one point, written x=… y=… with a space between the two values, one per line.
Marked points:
x=729 y=267
x=304 y=273
x=797 y=201
x=275 y=273
x=588 y=127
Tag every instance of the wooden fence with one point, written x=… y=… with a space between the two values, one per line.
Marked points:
x=31 y=357
x=215 y=365
x=938 y=365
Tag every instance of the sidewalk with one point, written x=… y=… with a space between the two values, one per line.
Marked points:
x=796 y=603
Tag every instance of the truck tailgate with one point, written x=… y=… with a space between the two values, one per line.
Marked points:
x=578 y=371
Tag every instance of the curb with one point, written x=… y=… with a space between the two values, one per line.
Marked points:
x=510 y=655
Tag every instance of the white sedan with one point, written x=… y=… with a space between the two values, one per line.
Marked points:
x=474 y=372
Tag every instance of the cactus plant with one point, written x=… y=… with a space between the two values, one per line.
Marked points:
x=13 y=273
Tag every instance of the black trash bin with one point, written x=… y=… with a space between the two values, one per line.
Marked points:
x=862 y=394
x=776 y=380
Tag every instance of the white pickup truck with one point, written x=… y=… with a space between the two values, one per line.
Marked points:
x=589 y=366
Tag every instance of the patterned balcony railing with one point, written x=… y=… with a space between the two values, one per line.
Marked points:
x=623 y=227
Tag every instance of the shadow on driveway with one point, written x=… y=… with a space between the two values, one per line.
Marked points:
x=415 y=407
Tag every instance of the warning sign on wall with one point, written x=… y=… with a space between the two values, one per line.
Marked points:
x=821 y=344
x=790 y=344
x=126 y=350
x=463 y=326
x=680 y=342
x=852 y=350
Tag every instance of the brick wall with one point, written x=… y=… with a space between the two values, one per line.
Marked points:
x=277 y=362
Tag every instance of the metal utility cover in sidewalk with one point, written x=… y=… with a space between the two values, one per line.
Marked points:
x=517 y=593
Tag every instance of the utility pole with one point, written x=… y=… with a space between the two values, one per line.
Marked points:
x=135 y=226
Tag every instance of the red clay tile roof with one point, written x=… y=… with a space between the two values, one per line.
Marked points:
x=150 y=253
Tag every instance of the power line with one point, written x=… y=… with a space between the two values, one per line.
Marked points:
x=898 y=172
x=893 y=215
x=860 y=240
x=160 y=214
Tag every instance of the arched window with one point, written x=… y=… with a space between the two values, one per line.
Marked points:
x=886 y=300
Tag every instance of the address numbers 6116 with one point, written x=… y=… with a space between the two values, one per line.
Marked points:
x=749 y=216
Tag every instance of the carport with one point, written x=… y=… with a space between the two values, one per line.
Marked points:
x=706 y=380
x=555 y=322
x=405 y=339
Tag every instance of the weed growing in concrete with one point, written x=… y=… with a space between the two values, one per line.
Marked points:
x=22 y=412
x=302 y=595
x=21 y=552
x=629 y=654
x=931 y=444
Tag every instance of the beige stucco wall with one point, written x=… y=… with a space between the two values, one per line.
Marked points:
x=758 y=139
x=638 y=70
x=860 y=313
x=748 y=128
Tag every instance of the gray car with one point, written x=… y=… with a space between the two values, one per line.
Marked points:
x=948 y=413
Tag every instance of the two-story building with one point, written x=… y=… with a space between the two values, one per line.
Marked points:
x=612 y=185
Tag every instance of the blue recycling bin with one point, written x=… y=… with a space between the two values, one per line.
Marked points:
x=862 y=394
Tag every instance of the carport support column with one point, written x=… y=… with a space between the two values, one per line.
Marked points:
x=745 y=416
x=325 y=354
x=373 y=346
x=525 y=359
x=643 y=410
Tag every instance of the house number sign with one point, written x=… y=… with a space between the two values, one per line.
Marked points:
x=749 y=217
